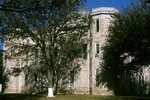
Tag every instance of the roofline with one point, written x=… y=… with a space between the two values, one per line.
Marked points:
x=104 y=10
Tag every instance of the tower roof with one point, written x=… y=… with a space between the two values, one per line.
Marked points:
x=104 y=10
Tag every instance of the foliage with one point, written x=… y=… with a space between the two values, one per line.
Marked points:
x=127 y=45
x=31 y=5
x=47 y=39
x=4 y=74
x=5 y=79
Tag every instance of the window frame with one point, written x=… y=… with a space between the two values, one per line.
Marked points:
x=97 y=25
x=97 y=48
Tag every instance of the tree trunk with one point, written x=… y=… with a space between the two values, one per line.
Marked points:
x=50 y=83
x=56 y=88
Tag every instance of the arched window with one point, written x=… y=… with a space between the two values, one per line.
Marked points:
x=97 y=25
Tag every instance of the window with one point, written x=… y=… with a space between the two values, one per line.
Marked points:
x=26 y=59
x=26 y=79
x=97 y=25
x=84 y=51
x=71 y=78
x=35 y=77
x=97 y=48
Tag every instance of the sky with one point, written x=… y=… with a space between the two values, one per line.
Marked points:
x=119 y=4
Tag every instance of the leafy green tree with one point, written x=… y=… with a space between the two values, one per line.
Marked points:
x=26 y=5
x=51 y=36
x=127 y=48
x=4 y=75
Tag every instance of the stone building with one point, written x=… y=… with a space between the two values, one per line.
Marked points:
x=85 y=81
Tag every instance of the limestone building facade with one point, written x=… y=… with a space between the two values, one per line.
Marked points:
x=85 y=81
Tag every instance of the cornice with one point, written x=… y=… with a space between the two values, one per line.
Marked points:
x=104 y=10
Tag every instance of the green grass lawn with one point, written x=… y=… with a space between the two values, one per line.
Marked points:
x=67 y=97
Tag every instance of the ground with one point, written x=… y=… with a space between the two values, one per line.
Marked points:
x=67 y=97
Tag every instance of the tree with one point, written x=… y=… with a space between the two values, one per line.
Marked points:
x=127 y=45
x=24 y=5
x=50 y=36
x=4 y=75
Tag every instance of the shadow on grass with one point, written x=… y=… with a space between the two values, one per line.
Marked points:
x=68 y=97
x=19 y=97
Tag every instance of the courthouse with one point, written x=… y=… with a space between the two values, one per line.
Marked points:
x=85 y=81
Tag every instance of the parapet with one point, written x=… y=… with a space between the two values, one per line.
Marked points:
x=104 y=10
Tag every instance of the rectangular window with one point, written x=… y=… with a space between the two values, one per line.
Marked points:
x=97 y=25
x=84 y=52
x=26 y=79
x=71 y=78
x=35 y=77
x=26 y=59
x=97 y=48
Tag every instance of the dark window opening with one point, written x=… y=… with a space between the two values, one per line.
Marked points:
x=84 y=52
x=35 y=77
x=97 y=25
x=71 y=78
x=26 y=79
x=97 y=48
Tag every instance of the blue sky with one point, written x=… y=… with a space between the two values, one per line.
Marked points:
x=108 y=3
